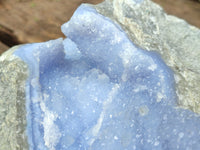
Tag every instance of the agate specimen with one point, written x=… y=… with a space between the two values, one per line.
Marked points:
x=94 y=90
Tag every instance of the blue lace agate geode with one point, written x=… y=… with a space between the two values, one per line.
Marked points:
x=96 y=90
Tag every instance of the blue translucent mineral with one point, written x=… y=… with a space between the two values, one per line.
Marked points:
x=96 y=90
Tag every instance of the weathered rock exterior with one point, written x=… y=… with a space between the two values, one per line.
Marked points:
x=13 y=76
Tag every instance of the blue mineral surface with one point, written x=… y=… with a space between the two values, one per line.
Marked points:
x=96 y=90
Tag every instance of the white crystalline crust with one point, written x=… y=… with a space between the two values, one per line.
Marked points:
x=51 y=131
x=13 y=74
x=148 y=26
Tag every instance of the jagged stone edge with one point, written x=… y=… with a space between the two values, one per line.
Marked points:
x=13 y=76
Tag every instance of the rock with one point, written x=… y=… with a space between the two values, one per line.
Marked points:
x=187 y=10
x=94 y=90
x=150 y=28
x=13 y=75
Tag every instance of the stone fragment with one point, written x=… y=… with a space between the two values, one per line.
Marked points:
x=13 y=75
x=94 y=90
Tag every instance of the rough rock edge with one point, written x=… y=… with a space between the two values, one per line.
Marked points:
x=149 y=27
x=13 y=75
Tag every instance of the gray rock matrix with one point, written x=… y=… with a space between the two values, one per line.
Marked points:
x=149 y=27
x=13 y=75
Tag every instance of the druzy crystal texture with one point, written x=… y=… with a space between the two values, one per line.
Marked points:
x=94 y=90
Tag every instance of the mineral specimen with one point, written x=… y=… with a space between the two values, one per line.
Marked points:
x=94 y=90
x=150 y=28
